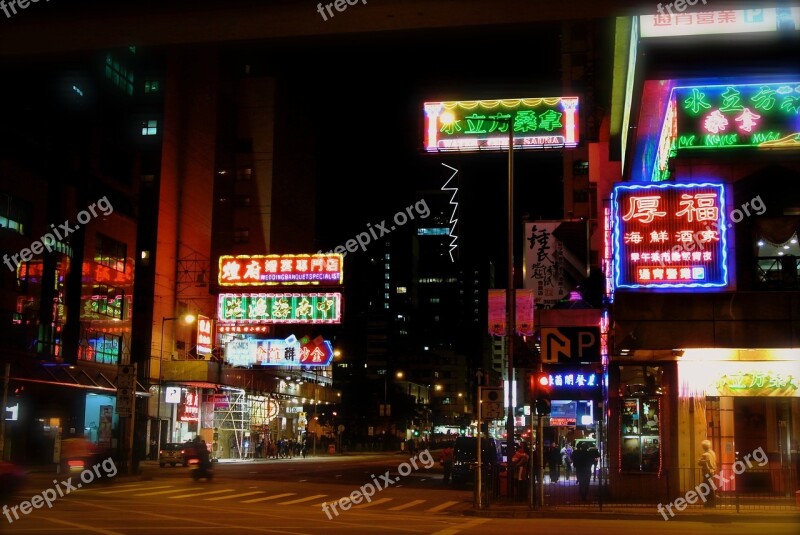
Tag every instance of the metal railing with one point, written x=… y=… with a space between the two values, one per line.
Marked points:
x=778 y=272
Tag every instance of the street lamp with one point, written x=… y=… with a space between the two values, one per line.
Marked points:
x=187 y=319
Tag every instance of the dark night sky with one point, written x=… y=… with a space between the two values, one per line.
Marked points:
x=367 y=122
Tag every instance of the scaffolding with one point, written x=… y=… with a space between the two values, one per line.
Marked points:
x=234 y=417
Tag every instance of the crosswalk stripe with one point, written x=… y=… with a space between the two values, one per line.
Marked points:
x=134 y=490
x=373 y=502
x=301 y=500
x=200 y=494
x=441 y=507
x=101 y=489
x=159 y=492
x=406 y=505
x=234 y=496
x=273 y=497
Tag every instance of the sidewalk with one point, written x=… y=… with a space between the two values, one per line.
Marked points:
x=725 y=514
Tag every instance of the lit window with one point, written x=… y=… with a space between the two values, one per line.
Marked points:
x=386 y=266
x=101 y=347
x=119 y=75
x=110 y=252
x=402 y=289
x=435 y=299
x=386 y=276
x=387 y=256
x=151 y=86
x=386 y=306
x=386 y=296
x=149 y=128
x=386 y=286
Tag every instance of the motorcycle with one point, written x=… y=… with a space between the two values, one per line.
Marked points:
x=198 y=470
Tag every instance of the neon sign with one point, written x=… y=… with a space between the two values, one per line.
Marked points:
x=763 y=115
x=670 y=236
x=478 y=125
x=272 y=270
x=190 y=409
x=280 y=308
x=204 y=335
x=278 y=352
x=757 y=383
x=728 y=21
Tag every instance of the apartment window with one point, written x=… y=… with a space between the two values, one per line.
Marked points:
x=386 y=276
x=386 y=286
x=13 y=214
x=110 y=252
x=386 y=306
x=119 y=75
x=435 y=300
x=241 y=235
x=244 y=173
x=387 y=256
x=101 y=347
x=149 y=128
x=386 y=296
x=151 y=86
x=243 y=201
x=386 y=266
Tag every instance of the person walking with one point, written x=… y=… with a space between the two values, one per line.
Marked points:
x=566 y=459
x=446 y=460
x=553 y=459
x=520 y=462
x=582 y=460
x=708 y=466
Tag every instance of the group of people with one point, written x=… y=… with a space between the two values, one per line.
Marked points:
x=285 y=448
x=583 y=459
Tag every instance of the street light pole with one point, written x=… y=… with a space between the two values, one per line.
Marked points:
x=188 y=319
x=510 y=302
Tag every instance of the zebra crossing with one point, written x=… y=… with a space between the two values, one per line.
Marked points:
x=203 y=493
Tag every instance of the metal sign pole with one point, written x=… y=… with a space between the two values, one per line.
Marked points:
x=478 y=486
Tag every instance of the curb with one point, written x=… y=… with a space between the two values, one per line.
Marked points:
x=718 y=518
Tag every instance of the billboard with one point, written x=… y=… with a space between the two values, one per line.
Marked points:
x=248 y=350
x=479 y=125
x=670 y=235
x=279 y=308
x=556 y=258
x=205 y=332
x=729 y=21
x=763 y=115
x=274 y=270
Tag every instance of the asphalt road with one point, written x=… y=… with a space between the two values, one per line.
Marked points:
x=286 y=496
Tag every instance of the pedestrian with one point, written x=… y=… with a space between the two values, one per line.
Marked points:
x=582 y=460
x=553 y=459
x=446 y=460
x=520 y=462
x=153 y=450
x=595 y=453
x=566 y=459
x=708 y=466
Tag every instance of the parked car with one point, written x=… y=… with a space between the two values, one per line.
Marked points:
x=171 y=454
x=465 y=459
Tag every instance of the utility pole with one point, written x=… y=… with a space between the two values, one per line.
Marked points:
x=511 y=301
x=6 y=379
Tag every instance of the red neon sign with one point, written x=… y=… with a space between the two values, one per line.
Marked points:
x=273 y=270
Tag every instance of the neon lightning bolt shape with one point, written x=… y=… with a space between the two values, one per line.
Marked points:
x=453 y=220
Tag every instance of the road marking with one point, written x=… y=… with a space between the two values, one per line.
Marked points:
x=234 y=496
x=441 y=507
x=406 y=505
x=301 y=500
x=373 y=502
x=273 y=497
x=83 y=527
x=159 y=492
x=200 y=494
x=133 y=490
x=462 y=527
x=98 y=489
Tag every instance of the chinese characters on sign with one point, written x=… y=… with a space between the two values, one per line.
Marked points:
x=745 y=115
x=757 y=383
x=670 y=235
x=190 y=408
x=272 y=270
x=204 y=335
x=275 y=352
x=729 y=21
x=280 y=308
x=556 y=258
x=484 y=124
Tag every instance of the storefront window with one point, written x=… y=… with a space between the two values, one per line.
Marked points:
x=640 y=419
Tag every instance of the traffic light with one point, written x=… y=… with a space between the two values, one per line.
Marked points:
x=541 y=390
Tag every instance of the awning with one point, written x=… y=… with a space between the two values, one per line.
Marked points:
x=70 y=376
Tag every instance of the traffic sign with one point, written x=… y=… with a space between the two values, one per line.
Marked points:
x=491 y=403
x=570 y=344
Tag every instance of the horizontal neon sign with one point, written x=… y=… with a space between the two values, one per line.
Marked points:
x=273 y=270
x=670 y=236
x=280 y=308
x=763 y=115
x=478 y=125
x=278 y=352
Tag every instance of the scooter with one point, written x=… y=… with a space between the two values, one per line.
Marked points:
x=197 y=471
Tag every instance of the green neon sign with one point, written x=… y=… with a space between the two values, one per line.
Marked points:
x=763 y=115
x=280 y=308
